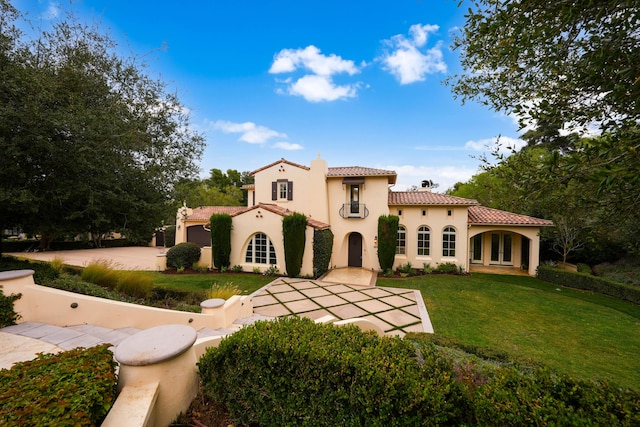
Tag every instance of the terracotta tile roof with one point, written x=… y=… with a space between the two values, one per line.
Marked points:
x=480 y=215
x=203 y=213
x=282 y=160
x=318 y=225
x=348 y=171
x=401 y=198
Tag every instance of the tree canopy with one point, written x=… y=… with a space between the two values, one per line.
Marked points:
x=90 y=142
x=560 y=67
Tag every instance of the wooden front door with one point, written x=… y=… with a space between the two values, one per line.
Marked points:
x=355 y=250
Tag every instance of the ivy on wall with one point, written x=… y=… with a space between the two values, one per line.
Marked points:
x=387 y=239
x=293 y=230
x=221 y=225
x=322 y=248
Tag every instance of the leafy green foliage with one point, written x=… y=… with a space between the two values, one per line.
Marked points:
x=224 y=291
x=221 y=225
x=8 y=315
x=76 y=387
x=134 y=284
x=294 y=229
x=296 y=372
x=183 y=255
x=591 y=283
x=322 y=249
x=90 y=142
x=387 y=240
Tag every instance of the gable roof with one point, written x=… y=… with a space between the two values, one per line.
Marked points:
x=352 y=171
x=480 y=215
x=402 y=198
x=203 y=213
x=282 y=160
x=278 y=210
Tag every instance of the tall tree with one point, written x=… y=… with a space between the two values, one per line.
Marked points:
x=97 y=144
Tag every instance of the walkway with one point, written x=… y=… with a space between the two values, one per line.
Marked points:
x=396 y=311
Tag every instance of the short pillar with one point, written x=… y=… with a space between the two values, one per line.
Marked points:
x=161 y=262
x=165 y=355
x=212 y=306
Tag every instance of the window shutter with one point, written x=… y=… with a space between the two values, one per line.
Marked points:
x=290 y=190
x=274 y=190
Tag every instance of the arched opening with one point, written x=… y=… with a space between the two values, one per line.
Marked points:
x=355 y=250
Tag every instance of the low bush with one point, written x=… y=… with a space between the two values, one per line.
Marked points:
x=584 y=268
x=183 y=255
x=8 y=315
x=76 y=387
x=237 y=268
x=588 y=282
x=134 y=284
x=101 y=273
x=407 y=269
x=296 y=372
x=448 y=268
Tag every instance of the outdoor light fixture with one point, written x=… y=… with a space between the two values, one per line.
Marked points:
x=74 y=305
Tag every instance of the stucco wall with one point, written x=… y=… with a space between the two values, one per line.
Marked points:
x=437 y=219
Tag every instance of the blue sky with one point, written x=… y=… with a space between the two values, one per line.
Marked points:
x=359 y=82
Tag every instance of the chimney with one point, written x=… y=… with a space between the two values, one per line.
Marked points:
x=426 y=185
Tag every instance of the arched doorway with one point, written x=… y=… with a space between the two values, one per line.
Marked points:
x=355 y=250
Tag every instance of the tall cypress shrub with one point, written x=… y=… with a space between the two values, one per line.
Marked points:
x=221 y=239
x=387 y=240
x=322 y=248
x=293 y=230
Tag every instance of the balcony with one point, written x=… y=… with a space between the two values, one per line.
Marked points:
x=354 y=210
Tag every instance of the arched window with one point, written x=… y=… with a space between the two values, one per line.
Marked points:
x=260 y=250
x=401 y=245
x=424 y=240
x=449 y=241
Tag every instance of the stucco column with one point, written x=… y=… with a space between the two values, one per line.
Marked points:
x=534 y=254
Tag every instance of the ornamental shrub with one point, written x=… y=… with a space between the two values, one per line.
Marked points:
x=387 y=240
x=589 y=282
x=101 y=273
x=8 y=315
x=322 y=248
x=73 y=388
x=183 y=255
x=295 y=372
x=294 y=228
x=221 y=225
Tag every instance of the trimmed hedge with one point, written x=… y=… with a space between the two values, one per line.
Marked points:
x=26 y=245
x=293 y=372
x=294 y=229
x=322 y=249
x=221 y=225
x=296 y=372
x=73 y=388
x=387 y=240
x=183 y=255
x=588 y=282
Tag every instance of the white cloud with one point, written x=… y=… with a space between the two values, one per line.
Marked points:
x=406 y=59
x=321 y=88
x=506 y=144
x=284 y=145
x=444 y=176
x=52 y=12
x=249 y=131
x=316 y=85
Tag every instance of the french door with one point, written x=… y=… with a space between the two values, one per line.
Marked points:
x=502 y=248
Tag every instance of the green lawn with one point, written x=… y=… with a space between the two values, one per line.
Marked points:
x=248 y=283
x=579 y=333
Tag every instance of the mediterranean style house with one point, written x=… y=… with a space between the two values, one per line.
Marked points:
x=434 y=228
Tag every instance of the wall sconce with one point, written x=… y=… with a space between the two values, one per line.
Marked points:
x=375 y=241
